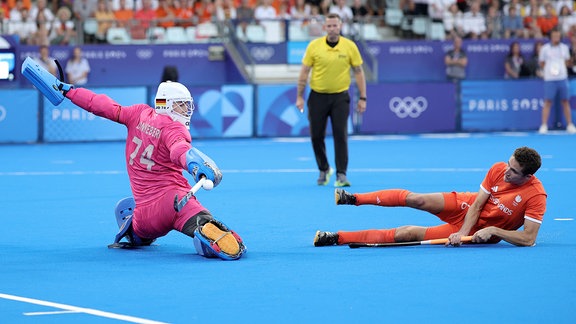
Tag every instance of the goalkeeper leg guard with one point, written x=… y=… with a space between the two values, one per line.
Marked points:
x=124 y=211
x=216 y=239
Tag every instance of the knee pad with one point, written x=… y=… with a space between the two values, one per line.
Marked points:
x=214 y=239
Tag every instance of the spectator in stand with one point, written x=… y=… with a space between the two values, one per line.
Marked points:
x=407 y=7
x=26 y=3
x=204 y=10
x=548 y=21
x=513 y=3
x=244 y=14
x=531 y=28
x=41 y=7
x=284 y=11
x=532 y=64
x=437 y=9
x=316 y=22
x=376 y=8
x=300 y=12
x=558 y=4
x=143 y=20
x=462 y=5
x=514 y=62
x=77 y=68
x=538 y=6
x=225 y=10
x=63 y=30
x=420 y=7
x=105 y=18
x=265 y=11
x=123 y=15
x=43 y=27
x=25 y=28
x=184 y=11
x=453 y=22
x=165 y=13
x=341 y=8
x=84 y=9
x=324 y=7
x=360 y=12
x=474 y=22
x=493 y=23
x=512 y=25
x=15 y=13
x=566 y=19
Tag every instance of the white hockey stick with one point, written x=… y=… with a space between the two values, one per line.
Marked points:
x=179 y=204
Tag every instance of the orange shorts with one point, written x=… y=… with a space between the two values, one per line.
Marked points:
x=456 y=206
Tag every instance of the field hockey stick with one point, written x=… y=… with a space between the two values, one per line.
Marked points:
x=463 y=239
x=179 y=204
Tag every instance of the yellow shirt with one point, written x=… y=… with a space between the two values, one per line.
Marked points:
x=331 y=66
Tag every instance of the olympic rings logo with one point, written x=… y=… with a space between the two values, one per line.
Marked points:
x=408 y=106
x=144 y=54
x=262 y=53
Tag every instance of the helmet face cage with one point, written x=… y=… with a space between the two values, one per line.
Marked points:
x=174 y=100
x=181 y=108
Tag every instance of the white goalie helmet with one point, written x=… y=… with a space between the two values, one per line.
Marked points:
x=174 y=99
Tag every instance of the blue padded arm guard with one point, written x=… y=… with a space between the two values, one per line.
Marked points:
x=201 y=165
x=53 y=89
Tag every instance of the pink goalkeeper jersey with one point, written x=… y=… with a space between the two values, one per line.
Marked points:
x=154 y=145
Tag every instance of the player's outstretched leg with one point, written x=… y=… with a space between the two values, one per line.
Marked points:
x=216 y=239
x=325 y=238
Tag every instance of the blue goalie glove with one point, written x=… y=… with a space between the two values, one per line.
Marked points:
x=200 y=165
x=53 y=89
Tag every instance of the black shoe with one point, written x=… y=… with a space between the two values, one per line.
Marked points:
x=325 y=238
x=343 y=197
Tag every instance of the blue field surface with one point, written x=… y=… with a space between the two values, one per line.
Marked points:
x=57 y=203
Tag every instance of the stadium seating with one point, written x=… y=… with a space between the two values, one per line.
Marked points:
x=255 y=33
x=176 y=35
x=118 y=35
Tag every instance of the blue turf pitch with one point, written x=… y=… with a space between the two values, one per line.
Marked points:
x=57 y=219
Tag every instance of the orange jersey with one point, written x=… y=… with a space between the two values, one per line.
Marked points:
x=509 y=205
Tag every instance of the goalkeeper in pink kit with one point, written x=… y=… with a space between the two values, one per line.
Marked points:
x=158 y=149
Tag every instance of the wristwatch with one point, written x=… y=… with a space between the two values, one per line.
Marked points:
x=362 y=98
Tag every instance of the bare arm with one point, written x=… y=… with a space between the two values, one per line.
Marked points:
x=361 y=84
x=526 y=237
x=302 y=80
x=470 y=219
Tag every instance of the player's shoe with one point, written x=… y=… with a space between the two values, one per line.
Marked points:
x=324 y=177
x=225 y=240
x=342 y=197
x=341 y=181
x=571 y=129
x=325 y=238
x=543 y=129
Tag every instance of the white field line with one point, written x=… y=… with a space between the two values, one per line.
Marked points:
x=75 y=309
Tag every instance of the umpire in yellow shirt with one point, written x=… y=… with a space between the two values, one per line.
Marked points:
x=330 y=58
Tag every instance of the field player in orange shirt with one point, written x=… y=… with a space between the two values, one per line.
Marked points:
x=509 y=197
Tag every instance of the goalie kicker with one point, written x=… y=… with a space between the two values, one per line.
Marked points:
x=214 y=239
